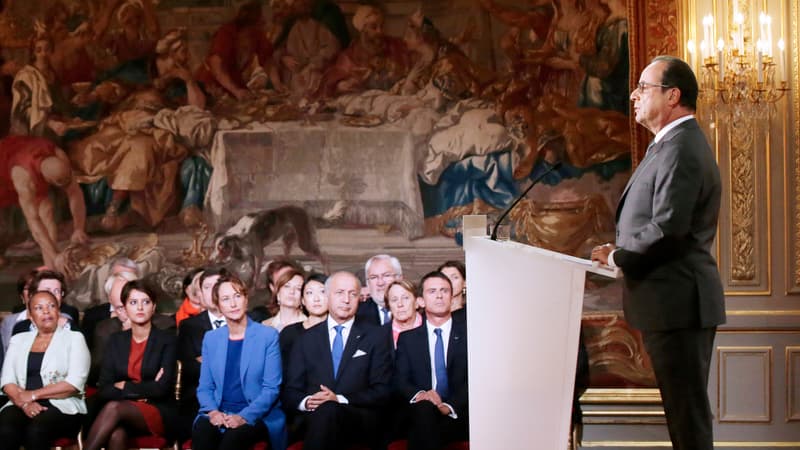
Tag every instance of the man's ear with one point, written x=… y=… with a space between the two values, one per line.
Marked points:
x=674 y=96
x=420 y=302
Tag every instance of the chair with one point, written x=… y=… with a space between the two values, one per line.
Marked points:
x=66 y=443
x=403 y=445
x=258 y=446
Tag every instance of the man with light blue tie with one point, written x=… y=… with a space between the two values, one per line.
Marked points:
x=431 y=370
x=380 y=271
x=339 y=373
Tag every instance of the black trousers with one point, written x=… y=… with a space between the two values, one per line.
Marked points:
x=430 y=430
x=681 y=360
x=209 y=437
x=18 y=430
x=333 y=426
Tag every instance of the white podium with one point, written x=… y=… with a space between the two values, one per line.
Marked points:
x=524 y=314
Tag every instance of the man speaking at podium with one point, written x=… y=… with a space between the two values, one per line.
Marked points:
x=666 y=223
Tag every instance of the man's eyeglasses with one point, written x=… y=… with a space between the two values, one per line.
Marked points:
x=642 y=85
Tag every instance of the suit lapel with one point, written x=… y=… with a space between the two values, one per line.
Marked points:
x=248 y=348
x=454 y=344
x=349 y=348
x=425 y=355
x=206 y=323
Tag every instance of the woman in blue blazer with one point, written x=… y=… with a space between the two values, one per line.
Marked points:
x=240 y=378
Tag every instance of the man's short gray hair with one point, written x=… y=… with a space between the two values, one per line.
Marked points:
x=384 y=257
x=127 y=276
x=334 y=275
x=126 y=263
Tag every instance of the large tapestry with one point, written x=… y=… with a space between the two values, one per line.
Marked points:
x=179 y=117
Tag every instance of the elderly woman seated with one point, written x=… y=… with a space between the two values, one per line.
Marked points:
x=43 y=376
x=240 y=378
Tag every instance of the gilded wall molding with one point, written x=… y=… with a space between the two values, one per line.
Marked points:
x=792 y=384
x=727 y=387
x=743 y=196
x=794 y=42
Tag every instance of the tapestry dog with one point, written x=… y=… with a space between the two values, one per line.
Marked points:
x=242 y=246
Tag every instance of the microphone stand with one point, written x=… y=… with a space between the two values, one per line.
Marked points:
x=508 y=210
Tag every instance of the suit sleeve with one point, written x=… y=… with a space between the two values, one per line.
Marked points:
x=207 y=385
x=676 y=188
x=108 y=374
x=188 y=351
x=295 y=376
x=270 y=380
x=402 y=383
x=380 y=374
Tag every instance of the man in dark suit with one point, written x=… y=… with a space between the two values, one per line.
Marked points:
x=339 y=373
x=380 y=271
x=98 y=313
x=666 y=223
x=190 y=348
x=431 y=370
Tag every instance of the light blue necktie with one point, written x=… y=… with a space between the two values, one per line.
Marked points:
x=337 y=349
x=440 y=366
x=386 y=317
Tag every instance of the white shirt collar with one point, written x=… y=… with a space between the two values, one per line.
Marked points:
x=213 y=318
x=671 y=125
x=445 y=327
x=332 y=323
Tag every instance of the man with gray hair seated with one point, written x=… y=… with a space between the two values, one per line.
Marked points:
x=98 y=313
x=380 y=271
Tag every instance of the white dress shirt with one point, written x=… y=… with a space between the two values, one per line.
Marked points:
x=212 y=318
x=445 y=327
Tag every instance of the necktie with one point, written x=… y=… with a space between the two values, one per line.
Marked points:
x=218 y=323
x=440 y=365
x=337 y=350
x=386 y=316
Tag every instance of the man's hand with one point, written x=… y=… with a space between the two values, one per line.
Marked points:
x=119 y=385
x=431 y=396
x=234 y=421
x=324 y=395
x=601 y=252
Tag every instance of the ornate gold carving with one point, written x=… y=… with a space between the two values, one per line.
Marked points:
x=795 y=74
x=742 y=180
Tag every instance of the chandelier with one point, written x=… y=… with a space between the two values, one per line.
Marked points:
x=738 y=73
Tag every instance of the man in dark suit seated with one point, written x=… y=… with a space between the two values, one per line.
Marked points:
x=431 y=370
x=339 y=373
x=380 y=271
x=190 y=348
x=98 y=313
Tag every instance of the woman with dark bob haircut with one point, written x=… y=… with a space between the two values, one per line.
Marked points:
x=137 y=379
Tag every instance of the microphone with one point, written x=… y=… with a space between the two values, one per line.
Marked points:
x=508 y=210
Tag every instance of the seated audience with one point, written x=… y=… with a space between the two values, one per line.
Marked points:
x=137 y=380
x=402 y=299
x=96 y=314
x=457 y=273
x=380 y=271
x=275 y=269
x=53 y=282
x=316 y=304
x=339 y=373
x=117 y=321
x=240 y=379
x=431 y=370
x=288 y=296
x=193 y=302
x=7 y=327
x=190 y=346
x=43 y=375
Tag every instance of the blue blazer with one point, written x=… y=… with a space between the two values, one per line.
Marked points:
x=261 y=378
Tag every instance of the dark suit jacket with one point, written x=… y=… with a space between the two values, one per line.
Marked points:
x=364 y=380
x=190 y=346
x=368 y=313
x=158 y=354
x=91 y=318
x=413 y=366
x=666 y=223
